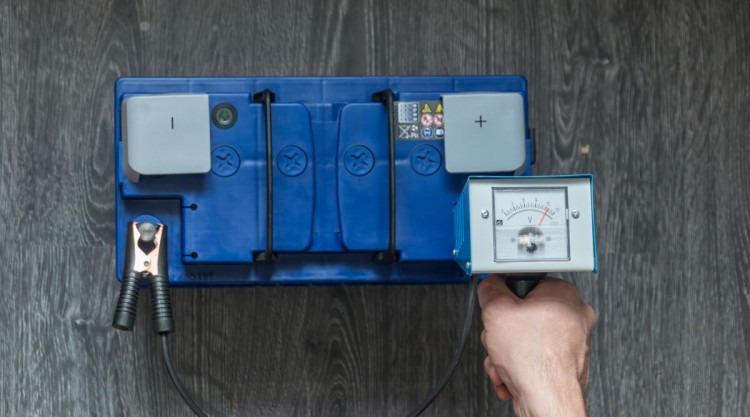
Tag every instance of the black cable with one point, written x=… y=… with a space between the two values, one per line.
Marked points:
x=418 y=410
x=443 y=381
x=175 y=379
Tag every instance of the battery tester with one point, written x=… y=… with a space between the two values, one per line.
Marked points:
x=346 y=180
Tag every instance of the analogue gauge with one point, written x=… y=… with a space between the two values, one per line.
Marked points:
x=531 y=224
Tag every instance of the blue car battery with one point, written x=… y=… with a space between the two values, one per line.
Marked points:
x=358 y=184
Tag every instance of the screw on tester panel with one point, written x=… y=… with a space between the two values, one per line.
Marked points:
x=257 y=181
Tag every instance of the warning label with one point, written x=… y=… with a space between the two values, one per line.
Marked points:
x=407 y=112
x=419 y=120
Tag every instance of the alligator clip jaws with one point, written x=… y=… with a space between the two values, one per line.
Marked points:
x=145 y=257
x=145 y=252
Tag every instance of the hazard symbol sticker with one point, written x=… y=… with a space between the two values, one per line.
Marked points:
x=438 y=119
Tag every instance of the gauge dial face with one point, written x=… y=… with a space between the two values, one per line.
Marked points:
x=531 y=224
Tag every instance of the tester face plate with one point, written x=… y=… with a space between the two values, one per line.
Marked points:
x=523 y=225
x=531 y=224
x=330 y=182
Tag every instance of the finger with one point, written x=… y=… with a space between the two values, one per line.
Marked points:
x=492 y=288
x=584 y=379
x=503 y=392
x=591 y=315
x=500 y=389
x=491 y=372
x=555 y=287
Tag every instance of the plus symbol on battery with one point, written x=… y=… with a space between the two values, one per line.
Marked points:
x=480 y=121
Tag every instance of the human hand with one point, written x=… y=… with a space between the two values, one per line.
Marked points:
x=537 y=347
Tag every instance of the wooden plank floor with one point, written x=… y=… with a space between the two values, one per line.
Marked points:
x=652 y=97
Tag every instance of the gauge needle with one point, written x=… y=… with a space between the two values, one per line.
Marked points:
x=542 y=219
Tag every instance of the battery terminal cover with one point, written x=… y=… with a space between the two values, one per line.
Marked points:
x=166 y=134
x=484 y=132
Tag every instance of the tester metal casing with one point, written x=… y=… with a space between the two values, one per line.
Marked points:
x=526 y=225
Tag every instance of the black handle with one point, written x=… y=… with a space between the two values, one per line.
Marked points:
x=390 y=255
x=161 y=305
x=127 y=302
x=267 y=97
x=522 y=286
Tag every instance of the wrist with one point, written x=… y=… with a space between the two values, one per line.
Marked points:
x=559 y=399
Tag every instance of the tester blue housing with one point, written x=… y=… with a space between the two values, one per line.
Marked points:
x=330 y=164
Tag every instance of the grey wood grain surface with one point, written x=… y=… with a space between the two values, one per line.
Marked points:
x=652 y=97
